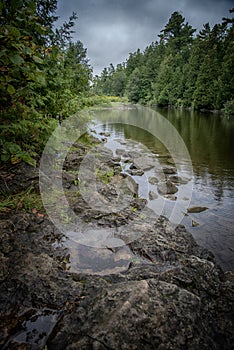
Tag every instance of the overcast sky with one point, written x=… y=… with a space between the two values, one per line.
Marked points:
x=111 y=29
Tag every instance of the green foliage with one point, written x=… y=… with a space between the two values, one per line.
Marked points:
x=181 y=70
x=229 y=109
x=43 y=75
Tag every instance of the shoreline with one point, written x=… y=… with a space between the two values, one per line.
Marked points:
x=168 y=280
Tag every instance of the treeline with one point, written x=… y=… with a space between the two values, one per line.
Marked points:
x=44 y=76
x=180 y=70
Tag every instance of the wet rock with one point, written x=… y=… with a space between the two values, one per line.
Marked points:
x=36 y=329
x=179 y=291
x=104 y=133
x=169 y=170
x=144 y=162
x=136 y=172
x=174 y=282
x=152 y=195
x=194 y=223
x=165 y=188
x=162 y=291
x=196 y=209
x=153 y=180
x=179 y=180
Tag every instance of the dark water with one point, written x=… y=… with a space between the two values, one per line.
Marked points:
x=209 y=140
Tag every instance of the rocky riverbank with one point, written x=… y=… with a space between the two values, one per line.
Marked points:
x=159 y=291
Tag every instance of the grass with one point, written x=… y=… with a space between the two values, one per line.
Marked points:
x=28 y=200
x=105 y=177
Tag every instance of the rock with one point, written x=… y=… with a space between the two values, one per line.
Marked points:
x=166 y=292
x=169 y=170
x=144 y=162
x=153 y=180
x=180 y=180
x=180 y=285
x=104 y=133
x=152 y=195
x=167 y=187
x=174 y=282
x=170 y=197
x=194 y=223
x=69 y=179
x=121 y=152
x=196 y=209
x=135 y=172
x=17 y=178
x=72 y=161
x=131 y=184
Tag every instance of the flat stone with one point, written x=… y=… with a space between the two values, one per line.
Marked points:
x=196 y=209
x=145 y=162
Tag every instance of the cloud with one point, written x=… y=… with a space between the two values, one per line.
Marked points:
x=112 y=29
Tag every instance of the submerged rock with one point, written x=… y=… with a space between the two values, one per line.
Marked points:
x=152 y=195
x=180 y=180
x=153 y=180
x=169 y=170
x=165 y=188
x=196 y=209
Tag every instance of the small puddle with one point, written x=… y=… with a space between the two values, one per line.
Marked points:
x=34 y=330
x=98 y=261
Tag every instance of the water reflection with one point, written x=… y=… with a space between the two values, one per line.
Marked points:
x=210 y=142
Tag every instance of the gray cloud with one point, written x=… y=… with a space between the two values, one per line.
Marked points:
x=111 y=29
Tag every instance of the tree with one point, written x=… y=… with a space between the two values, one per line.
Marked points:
x=176 y=33
x=32 y=58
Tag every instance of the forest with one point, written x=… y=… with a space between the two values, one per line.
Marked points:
x=46 y=76
x=181 y=69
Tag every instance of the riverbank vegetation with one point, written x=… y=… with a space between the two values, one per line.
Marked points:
x=45 y=77
x=181 y=69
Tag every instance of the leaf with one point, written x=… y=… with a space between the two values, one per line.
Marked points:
x=13 y=148
x=41 y=79
x=15 y=160
x=37 y=59
x=10 y=89
x=28 y=159
x=5 y=157
x=16 y=59
x=27 y=51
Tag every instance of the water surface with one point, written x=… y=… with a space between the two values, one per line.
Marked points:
x=210 y=142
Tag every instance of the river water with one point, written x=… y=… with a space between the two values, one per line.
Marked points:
x=209 y=140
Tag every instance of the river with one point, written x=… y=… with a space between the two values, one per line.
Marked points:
x=209 y=140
